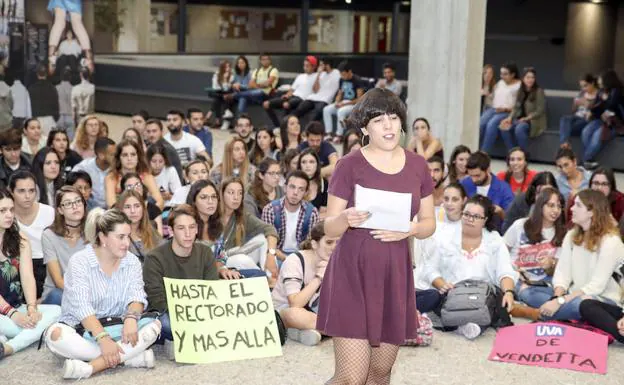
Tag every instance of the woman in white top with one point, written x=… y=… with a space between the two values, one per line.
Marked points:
x=505 y=93
x=535 y=243
x=473 y=251
x=167 y=178
x=589 y=255
x=32 y=140
x=295 y=295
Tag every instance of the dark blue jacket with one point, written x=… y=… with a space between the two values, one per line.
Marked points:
x=500 y=192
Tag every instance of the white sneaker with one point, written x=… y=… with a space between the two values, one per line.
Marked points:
x=308 y=337
x=170 y=350
x=470 y=330
x=143 y=360
x=76 y=370
x=3 y=339
x=227 y=114
x=225 y=125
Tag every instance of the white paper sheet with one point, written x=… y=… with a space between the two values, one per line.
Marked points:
x=389 y=210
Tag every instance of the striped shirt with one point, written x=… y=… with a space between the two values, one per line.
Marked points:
x=89 y=291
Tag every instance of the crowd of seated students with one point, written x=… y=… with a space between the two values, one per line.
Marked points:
x=233 y=220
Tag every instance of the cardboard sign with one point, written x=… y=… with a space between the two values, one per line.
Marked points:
x=551 y=346
x=216 y=321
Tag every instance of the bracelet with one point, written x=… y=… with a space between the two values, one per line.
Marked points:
x=29 y=306
x=509 y=291
x=5 y=309
x=11 y=313
x=223 y=267
x=101 y=335
x=132 y=314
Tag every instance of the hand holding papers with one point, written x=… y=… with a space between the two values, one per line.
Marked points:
x=388 y=210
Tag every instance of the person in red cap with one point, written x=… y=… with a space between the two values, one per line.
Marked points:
x=299 y=91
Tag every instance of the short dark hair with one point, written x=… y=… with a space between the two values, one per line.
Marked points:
x=565 y=153
x=264 y=54
x=488 y=209
x=42 y=70
x=12 y=137
x=143 y=114
x=67 y=74
x=101 y=144
x=19 y=175
x=193 y=110
x=479 y=160
x=376 y=102
x=85 y=74
x=244 y=115
x=176 y=112
x=344 y=66
x=388 y=65
x=327 y=61
x=315 y=128
x=180 y=210
x=512 y=68
x=75 y=176
x=297 y=174
x=436 y=159
x=156 y=122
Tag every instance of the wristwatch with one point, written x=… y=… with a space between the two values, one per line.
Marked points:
x=272 y=251
x=561 y=300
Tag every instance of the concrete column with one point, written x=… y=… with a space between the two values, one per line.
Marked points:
x=590 y=40
x=304 y=29
x=445 y=60
x=396 y=24
x=135 y=34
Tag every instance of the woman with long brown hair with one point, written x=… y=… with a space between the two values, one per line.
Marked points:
x=129 y=158
x=222 y=88
x=242 y=228
x=235 y=163
x=518 y=174
x=89 y=130
x=457 y=163
x=589 y=255
x=265 y=187
x=144 y=236
x=487 y=87
x=264 y=146
x=62 y=240
x=534 y=244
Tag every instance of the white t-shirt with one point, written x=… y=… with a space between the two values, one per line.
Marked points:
x=328 y=87
x=505 y=94
x=187 y=147
x=168 y=180
x=179 y=196
x=290 y=239
x=302 y=86
x=483 y=190
x=526 y=256
x=34 y=231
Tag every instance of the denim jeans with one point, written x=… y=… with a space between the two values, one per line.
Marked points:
x=521 y=131
x=570 y=125
x=66 y=122
x=488 y=126
x=165 y=331
x=254 y=96
x=19 y=338
x=534 y=296
x=571 y=310
x=591 y=139
x=428 y=300
x=341 y=113
x=54 y=297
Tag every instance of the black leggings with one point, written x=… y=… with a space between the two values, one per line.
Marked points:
x=602 y=315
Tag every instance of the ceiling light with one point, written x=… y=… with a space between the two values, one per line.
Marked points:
x=348 y=1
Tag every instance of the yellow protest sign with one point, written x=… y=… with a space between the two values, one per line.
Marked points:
x=227 y=320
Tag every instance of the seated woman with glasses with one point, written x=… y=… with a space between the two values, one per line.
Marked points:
x=603 y=180
x=130 y=158
x=62 y=240
x=102 y=323
x=590 y=253
x=264 y=188
x=535 y=243
x=473 y=251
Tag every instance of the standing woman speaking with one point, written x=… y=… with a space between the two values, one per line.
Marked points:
x=367 y=300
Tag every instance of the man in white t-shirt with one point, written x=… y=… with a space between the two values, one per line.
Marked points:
x=292 y=217
x=32 y=217
x=299 y=91
x=188 y=146
x=324 y=90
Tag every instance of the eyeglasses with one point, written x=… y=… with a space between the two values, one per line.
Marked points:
x=71 y=204
x=472 y=217
x=600 y=184
x=133 y=186
x=209 y=198
x=272 y=173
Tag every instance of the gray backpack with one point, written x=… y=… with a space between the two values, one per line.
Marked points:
x=469 y=301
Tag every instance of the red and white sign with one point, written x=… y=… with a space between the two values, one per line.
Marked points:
x=551 y=346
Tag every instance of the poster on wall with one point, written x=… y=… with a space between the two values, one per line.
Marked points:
x=279 y=26
x=322 y=29
x=234 y=24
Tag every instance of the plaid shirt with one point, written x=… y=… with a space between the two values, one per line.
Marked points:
x=268 y=216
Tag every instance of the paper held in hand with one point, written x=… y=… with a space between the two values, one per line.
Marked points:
x=389 y=210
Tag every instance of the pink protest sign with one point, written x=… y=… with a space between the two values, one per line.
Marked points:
x=551 y=346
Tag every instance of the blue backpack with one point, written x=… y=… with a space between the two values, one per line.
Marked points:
x=277 y=216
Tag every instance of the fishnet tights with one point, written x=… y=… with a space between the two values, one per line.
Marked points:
x=357 y=363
